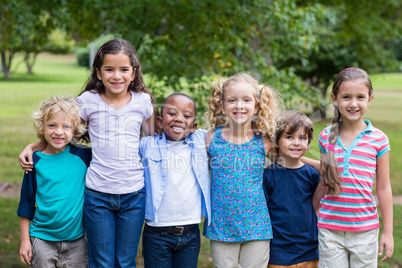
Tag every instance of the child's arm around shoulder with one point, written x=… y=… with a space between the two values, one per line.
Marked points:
x=267 y=145
x=25 y=157
x=208 y=138
x=384 y=194
x=319 y=192
x=149 y=126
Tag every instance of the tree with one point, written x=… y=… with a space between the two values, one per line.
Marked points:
x=24 y=28
x=182 y=44
x=352 y=33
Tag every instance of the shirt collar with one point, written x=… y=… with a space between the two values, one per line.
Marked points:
x=369 y=127
x=162 y=138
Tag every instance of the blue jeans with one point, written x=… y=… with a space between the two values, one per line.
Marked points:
x=113 y=224
x=164 y=250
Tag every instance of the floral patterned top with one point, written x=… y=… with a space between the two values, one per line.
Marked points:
x=238 y=206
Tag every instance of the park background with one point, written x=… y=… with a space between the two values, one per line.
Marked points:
x=187 y=46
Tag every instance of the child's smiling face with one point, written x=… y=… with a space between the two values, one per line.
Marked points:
x=178 y=116
x=58 y=132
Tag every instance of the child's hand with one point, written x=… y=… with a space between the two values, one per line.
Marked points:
x=26 y=252
x=25 y=159
x=387 y=242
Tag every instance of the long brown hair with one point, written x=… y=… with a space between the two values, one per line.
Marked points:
x=117 y=46
x=329 y=169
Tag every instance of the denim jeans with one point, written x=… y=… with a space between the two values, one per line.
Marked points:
x=113 y=224
x=163 y=250
x=59 y=253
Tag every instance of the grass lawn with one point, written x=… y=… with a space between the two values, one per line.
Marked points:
x=21 y=95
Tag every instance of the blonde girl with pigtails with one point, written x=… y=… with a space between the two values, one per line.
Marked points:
x=240 y=229
x=353 y=155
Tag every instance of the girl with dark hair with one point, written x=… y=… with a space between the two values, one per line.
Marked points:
x=353 y=153
x=117 y=106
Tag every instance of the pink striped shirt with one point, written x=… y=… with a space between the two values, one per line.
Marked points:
x=355 y=208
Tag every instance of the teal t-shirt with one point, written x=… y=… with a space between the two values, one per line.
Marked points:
x=57 y=187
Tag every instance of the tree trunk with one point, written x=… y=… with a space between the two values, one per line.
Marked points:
x=30 y=61
x=5 y=68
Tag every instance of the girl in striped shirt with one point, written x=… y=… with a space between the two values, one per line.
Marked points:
x=353 y=153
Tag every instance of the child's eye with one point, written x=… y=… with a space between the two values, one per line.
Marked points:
x=67 y=127
x=187 y=116
x=345 y=97
x=50 y=125
x=303 y=138
x=125 y=70
x=288 y=137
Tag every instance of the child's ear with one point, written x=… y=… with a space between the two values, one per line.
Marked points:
x=371 y=99
x=159 y=122
x=334 y=100
x=133 y=75
x=222 y=108
x=98 y=74
x=194 y=128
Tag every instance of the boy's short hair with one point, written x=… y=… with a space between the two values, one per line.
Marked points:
x=179 y=94
x=293 y=120
x=49 y=107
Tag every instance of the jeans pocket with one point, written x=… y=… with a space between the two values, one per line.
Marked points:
x=34 y=242
x=89 y=191
x=141 y=192
x=327 y=243
x=193 y=234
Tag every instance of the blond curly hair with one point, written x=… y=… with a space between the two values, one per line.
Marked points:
x=267 y=99
x=49 y=107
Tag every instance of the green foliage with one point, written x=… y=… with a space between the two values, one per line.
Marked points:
x=24 y=28
x=59 y=43
x=353 y=33
x=82 y=53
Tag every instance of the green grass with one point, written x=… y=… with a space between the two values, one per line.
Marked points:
x=21 y=95
x=387 y=82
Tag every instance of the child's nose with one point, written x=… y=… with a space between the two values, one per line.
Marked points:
x=59 y=130
x=179 y=118
x=353 y=102
x=116 y=74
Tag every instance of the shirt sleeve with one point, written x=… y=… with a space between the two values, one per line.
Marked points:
x=149 y=109
x=26 y=207
x=383 y=145
x=266 y=182
x=83 y=114
x=323 y=141
x=316 y=179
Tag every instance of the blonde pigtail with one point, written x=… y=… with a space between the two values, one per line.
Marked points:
x=329 y=168
x=214 y=114
x=268 y=108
